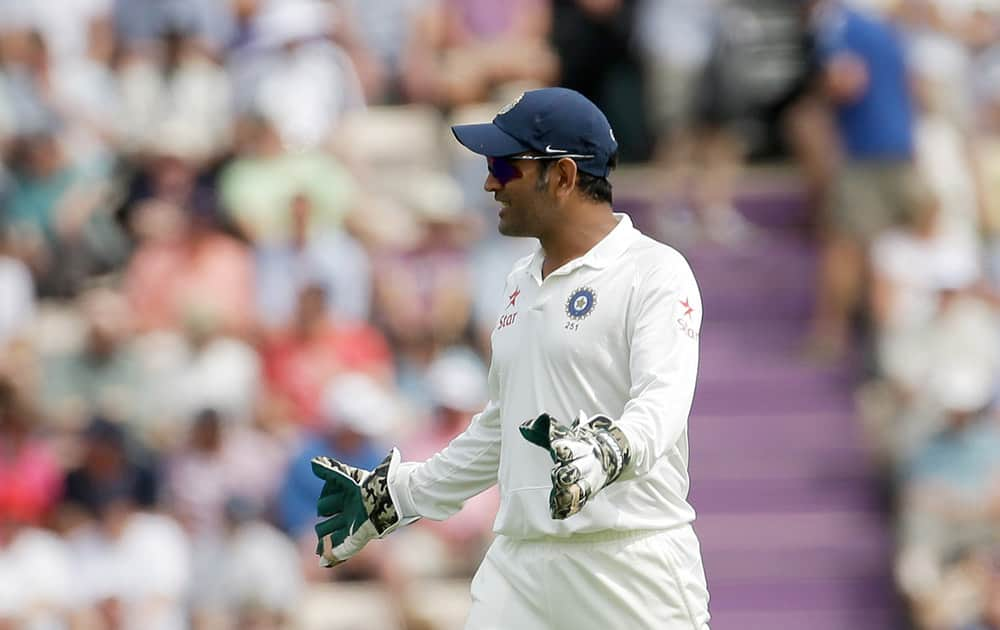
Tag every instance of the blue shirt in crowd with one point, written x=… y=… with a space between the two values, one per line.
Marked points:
x=301 y=488
x=966 y=460
x=879 y=124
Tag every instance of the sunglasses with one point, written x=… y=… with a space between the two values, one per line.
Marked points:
x=504 y=169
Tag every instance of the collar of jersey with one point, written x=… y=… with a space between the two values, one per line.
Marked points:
x=600 y=256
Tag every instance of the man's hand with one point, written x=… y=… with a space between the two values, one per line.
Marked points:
x=358 y=503
x=588 y=455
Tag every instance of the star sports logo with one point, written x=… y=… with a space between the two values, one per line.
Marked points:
x=507 y=319
x=685 y=321
x=687 y=307
x=512 y=298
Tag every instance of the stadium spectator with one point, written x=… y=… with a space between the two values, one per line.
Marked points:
x=949 y=493
x=462 y=50
x=36 y=587
x=986 y=151
x=316 y=347
x=111 y=468
x=27 y=80
x=139 y=23
x=185 y=269
x=255 y=580
x=17 y=296
x=203 y=368
x=423 y=291
x=295 y=75
x=57 y=217
x=30 y=475
x=698 y=89
x=912 y=265
x=131 y=568
x=331 y=259
x=255 y=455
x=383 y=33
x=990 y=615
x=175 y=91
x=196 y=484
x=202 y=490
x=676 y=38
x=72 y=96
x=103 y=375
x=865 y=80
x=595 y=42
x=220 y=461
x=69 y=28
x=258 y=188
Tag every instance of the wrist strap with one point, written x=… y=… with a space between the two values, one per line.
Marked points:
x=376 y=496
x=613 y=446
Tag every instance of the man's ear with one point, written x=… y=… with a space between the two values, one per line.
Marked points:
x=564 y=174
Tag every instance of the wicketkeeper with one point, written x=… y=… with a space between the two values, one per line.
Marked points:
x=592 y=377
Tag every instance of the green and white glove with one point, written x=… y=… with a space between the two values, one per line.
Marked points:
x=359 y=504
x=588 y=456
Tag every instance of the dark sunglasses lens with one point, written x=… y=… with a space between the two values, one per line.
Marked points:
x=502 y=169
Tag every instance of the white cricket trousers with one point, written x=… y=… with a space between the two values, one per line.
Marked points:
x=607 y=581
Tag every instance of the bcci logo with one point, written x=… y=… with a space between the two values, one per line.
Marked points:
x=581 y=303
x=509 y=106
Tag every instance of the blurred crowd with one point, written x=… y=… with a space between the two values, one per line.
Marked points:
x=235 y=234
x=908 y=92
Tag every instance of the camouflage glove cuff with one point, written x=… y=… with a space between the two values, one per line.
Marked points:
x=588 y=456
x=359 y=504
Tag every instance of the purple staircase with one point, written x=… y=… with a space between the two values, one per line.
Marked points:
x=792 y=530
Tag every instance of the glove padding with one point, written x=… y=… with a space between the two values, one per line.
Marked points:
x=588 y=455
x=358 y=503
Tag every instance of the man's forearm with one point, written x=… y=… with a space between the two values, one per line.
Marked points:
x=438 y=487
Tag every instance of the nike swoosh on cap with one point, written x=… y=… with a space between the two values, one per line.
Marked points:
x=549 y=149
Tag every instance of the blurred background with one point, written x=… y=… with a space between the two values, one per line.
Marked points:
x=238 y=233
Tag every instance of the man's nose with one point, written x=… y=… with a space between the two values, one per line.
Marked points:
x=492 y=184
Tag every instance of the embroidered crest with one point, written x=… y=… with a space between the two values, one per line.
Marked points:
x=509 y=106
x=580 y=303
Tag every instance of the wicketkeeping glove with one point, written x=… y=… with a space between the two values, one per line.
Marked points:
x=359 y=504
x=588 y=455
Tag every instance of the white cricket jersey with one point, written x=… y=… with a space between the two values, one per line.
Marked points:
x=613 y=332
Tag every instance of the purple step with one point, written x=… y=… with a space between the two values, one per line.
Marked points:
x=750 y=306
x=788 y=508
x=734 y=565
x=783 y=532
x=748 y=436
x=746 y=399
x=836 y=619
x=781 y=495
x=802 y=594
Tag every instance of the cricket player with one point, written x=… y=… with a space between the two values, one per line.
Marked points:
x=595 y=358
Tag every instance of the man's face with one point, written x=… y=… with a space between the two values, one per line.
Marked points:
x=525 y=200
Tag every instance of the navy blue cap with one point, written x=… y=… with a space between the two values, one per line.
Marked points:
x=553 y=121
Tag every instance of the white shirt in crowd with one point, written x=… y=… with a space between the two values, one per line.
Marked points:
x=36 y=585
x=613 y=332
x=147 y=567
x=17 y=298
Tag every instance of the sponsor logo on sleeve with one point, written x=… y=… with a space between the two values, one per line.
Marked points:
x=686 y=320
